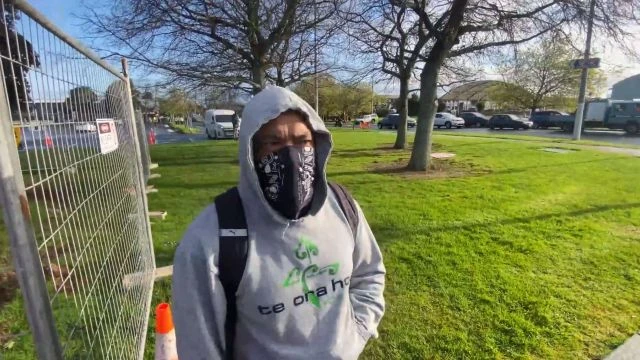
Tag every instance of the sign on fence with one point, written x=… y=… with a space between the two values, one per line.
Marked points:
x=107 y=135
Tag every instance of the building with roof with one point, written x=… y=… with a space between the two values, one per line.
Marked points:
x=627 y=89
x=466 y=96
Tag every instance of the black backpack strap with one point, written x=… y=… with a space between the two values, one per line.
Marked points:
x=232 y=257
x=348 y=206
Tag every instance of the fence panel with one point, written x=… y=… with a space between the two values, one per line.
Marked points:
x=83 y=236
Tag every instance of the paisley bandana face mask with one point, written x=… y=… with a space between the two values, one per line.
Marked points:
x=286 y=178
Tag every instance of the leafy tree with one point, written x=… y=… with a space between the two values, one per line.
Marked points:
x=541 y=76
x=83 y=103
x=177 y=102
x=18 y=57
x=337 y=99
x=224 y=98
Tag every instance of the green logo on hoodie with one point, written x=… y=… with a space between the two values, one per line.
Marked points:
x=306 y=250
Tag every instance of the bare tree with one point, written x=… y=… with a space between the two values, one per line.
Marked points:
x=389 y=31
x=198 y=43
x=461 y=27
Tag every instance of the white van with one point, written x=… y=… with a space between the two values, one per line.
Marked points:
x=218 y=123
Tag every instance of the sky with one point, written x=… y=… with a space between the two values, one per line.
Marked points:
x=614 y=63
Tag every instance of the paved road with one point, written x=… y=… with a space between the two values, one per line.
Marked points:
x=60 y=136
x=613 y=137
x=164 y=135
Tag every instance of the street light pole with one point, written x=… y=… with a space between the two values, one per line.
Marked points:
x=577 y=126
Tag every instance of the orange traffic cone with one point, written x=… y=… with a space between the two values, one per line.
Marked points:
x=152 y=137
x=165 y=334
x=48 y=141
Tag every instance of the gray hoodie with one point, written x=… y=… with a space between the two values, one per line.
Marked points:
x=310 y=288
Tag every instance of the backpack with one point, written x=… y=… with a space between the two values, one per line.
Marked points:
x=234 y=246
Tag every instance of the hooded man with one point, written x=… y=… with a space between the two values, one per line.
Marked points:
x=309 y=281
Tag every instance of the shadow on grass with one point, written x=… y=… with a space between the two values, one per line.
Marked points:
x=196 y=186
x=348 y=173
x=178 y=162
x=165 y=258
x=446 y=169
x=516 y=220
x=549 y=166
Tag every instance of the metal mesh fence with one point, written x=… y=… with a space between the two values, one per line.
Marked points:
x=83 y=238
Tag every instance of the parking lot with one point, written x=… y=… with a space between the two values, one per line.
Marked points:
x=607 y=136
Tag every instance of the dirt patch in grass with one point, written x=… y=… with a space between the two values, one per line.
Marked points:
x=8 y=286
x=438 y=169
x=57 y=273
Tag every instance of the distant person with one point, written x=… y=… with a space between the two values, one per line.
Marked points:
x=285 y=265
x=235 y=122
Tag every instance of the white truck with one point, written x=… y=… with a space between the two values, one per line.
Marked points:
x=218 y=123
x=610 y=114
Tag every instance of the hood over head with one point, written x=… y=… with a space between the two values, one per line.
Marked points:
x=264 y=107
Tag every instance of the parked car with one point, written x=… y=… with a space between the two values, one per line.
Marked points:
x=544 y=119
x=474 y=119
x=393 y=120
x=510 y=121
x=86 y=127
x=372 y=118
x=448 y=120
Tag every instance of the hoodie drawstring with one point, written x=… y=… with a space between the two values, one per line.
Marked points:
x=285 y=229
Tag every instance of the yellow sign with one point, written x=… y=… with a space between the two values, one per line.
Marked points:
x=17 y=133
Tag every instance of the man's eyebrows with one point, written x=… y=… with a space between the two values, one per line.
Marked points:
x=303 y=136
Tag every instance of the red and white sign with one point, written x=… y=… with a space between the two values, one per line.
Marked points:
x=107 y=135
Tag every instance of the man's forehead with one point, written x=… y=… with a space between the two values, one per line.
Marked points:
x=286 y=122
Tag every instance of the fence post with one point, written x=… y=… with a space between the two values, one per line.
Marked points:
x=24 y=251
x=144 y=147
x=141 y=179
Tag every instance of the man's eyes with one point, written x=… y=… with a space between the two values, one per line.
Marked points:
x=297 y=142
x=305 y=142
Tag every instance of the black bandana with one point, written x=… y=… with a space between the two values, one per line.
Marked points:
x=286 y=178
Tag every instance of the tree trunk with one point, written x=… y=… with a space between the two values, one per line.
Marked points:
x=403 y=109
x=421 y=153
x=259 y=78
x=279 y=76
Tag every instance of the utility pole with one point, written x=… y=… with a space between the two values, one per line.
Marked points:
x=373 y=94
x=577 y=126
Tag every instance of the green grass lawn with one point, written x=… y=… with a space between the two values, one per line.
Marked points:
x=505 y=252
